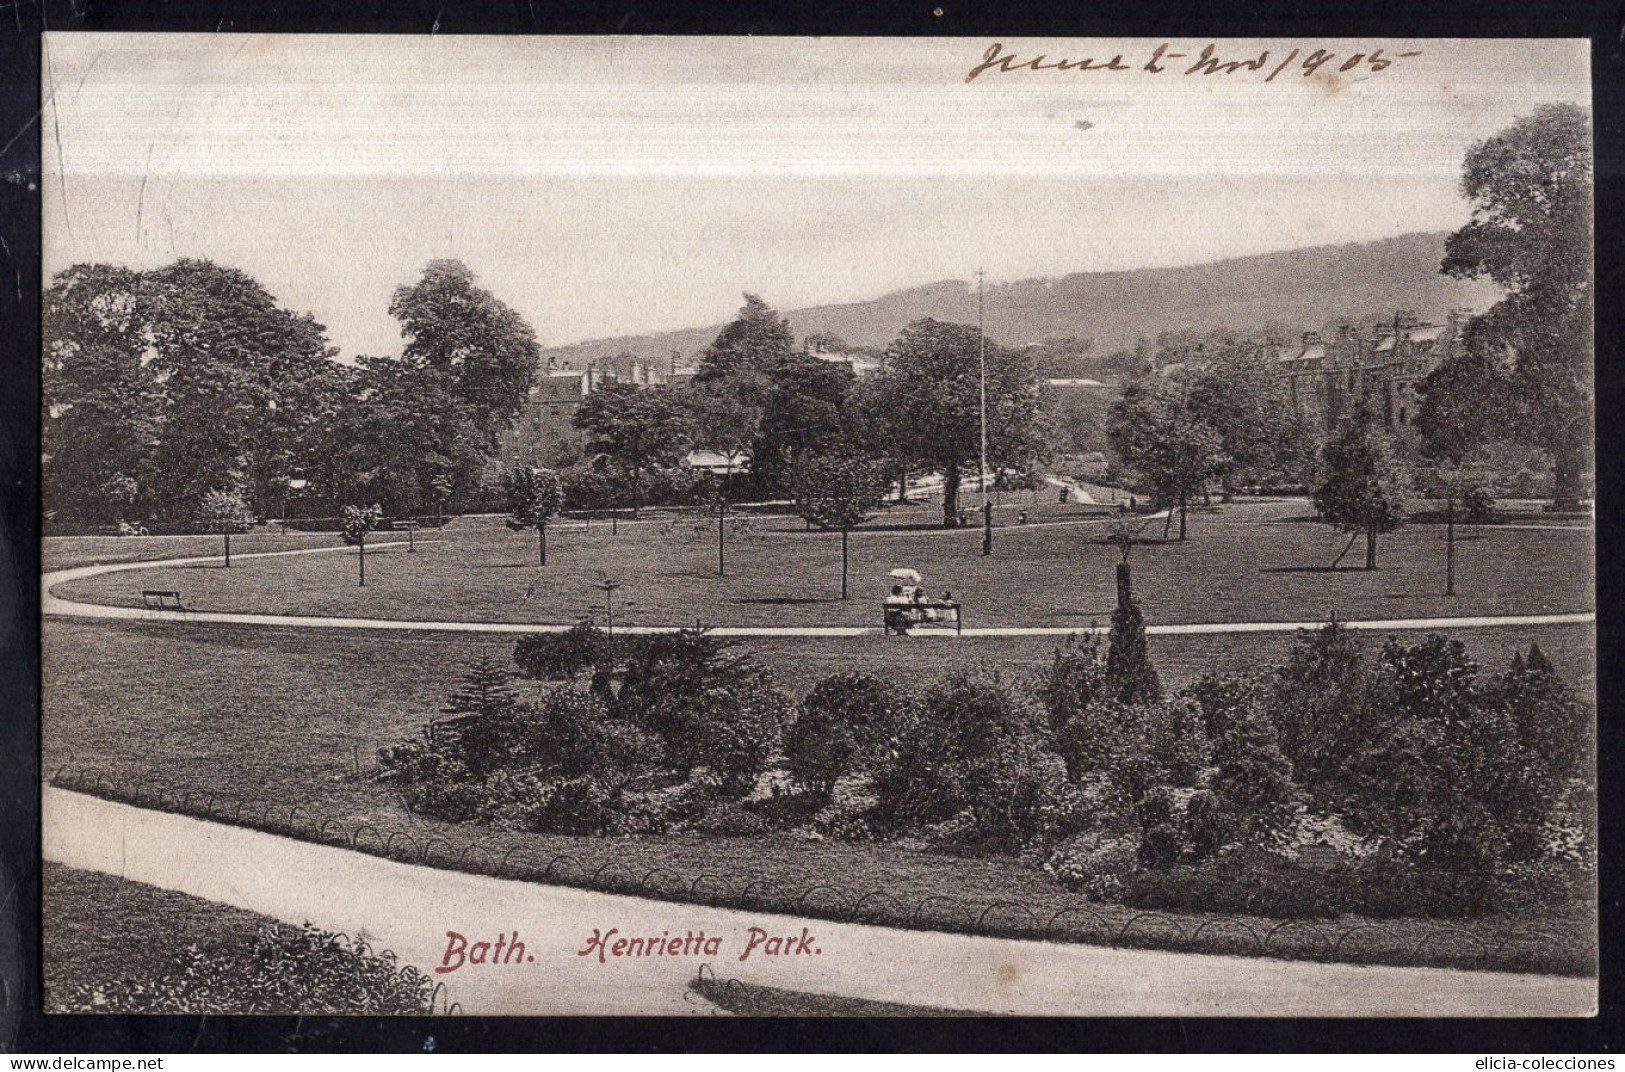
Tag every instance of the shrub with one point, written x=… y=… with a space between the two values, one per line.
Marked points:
x=1130 y=677
x=1161 y=846
x=223 y=512
x=712 y=708
x=1253 y=780
x=976 y=747
x=844 y=725
x=1316 y=701
x=1095 y=864
x=282 y=970
x=1479 y=503
x=1455 y=778
x=561 y=656
x=1208 y=826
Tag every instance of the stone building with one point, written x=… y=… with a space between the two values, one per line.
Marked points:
x=1329 y=377
x=544 y=433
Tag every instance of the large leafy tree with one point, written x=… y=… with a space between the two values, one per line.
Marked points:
x=754 y=343
x=99 y=396
x=839 y=492
x=1531 y=190
x=1264 y=437
x=1365 y=486
x=403 y=439
x=634 y=426
x=485 y=351
x=928 y=399
x=803 y=414
x=1156 y=431
x=244 y=384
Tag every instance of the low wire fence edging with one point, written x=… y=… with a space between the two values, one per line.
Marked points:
x=1414 y=944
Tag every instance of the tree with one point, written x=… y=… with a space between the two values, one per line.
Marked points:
x=749 y=347
x=1531 y=190
x=1364 y=488
x=1264 y=438
x=1130 y=677
x=99 y=400
x=485 y=690
x=223 y=512
x=401 y=430
x=634 y=426
x=248 y=387
x=929 y=396
x=1155 y=430
x=533 y=496
x=804 y=413
x=354 y=524
x=440 y=486
x=485 y=350
x=839 y=493
x=724 y=419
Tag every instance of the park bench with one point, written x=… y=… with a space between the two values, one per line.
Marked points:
x=158 y=599
x=900 y=617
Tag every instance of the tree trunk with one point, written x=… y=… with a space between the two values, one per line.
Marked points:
x=1566 y=462
x=950 y=496
x=843 y=563
x=362 y=545
x=228 y=550
x=1182 y=517
x=637 y=474
x=1370 y=548
x=1125 y=585
x=1450 y=549
x=722 y=563
x=541 y=543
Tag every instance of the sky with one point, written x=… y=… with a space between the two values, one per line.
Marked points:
x=607 y=186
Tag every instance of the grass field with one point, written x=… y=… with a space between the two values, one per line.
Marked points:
x=296 y=716
x=1249 y=562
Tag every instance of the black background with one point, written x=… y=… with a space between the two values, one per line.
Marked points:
x=24 y=1029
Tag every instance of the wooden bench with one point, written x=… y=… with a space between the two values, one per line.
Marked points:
x=900 y=617
x=157 y=599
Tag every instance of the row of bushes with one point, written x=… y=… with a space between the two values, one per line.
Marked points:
x=1430 y=787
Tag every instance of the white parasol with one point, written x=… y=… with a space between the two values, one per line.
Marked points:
x=911 y=576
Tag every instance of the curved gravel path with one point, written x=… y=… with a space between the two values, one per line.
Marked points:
x=409 y=909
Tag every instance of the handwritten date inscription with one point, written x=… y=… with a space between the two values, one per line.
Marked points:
x=1209 y=61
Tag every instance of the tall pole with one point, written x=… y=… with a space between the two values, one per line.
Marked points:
x=1450 y=547
x=981 y=360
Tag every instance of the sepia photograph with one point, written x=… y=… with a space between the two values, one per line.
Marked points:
x=817 y=527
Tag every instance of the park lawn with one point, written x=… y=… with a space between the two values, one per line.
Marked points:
x=101 y=929
x=1244 y=562
x=294 y=718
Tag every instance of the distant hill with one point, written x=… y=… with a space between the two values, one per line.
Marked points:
x=1300 y=289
